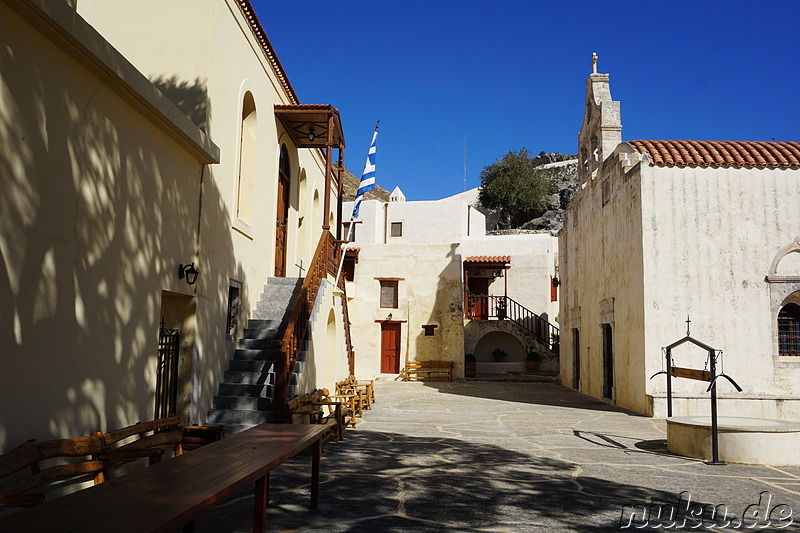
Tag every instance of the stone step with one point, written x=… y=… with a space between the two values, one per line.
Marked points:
x=269 y=333
x=251 y=365
x=240 y=389
x=235 y=416
x=249 y=378
x=243 y=354
x=256 y=344
x=242 y=402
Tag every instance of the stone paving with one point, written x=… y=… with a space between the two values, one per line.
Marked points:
x=478 y=456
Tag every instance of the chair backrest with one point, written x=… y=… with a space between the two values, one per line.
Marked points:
x=58 y=453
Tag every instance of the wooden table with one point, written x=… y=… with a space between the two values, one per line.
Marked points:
x=171 y=494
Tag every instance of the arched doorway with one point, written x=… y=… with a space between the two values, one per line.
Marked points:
x=282 y=213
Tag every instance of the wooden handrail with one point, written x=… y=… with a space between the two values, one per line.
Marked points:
x=483 y=307
x=323 y=263
x=351 y=354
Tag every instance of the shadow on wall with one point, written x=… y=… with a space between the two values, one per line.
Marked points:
x=463 y=486
x=190 y=97
x=447 y=313
x=98 y=208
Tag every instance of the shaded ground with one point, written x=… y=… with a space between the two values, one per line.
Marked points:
x=476 y=456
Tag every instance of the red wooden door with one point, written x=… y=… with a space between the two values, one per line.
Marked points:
x=390 y=348
x=281 y=223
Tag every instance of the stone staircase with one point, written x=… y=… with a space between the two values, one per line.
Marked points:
x=245 y=396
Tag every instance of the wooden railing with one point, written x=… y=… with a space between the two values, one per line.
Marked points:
x=351 y=354
x=325 y=261
x=480 y=307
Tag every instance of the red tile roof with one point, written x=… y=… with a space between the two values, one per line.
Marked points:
x=488 y=259
x=258 y=31
x=749 y=154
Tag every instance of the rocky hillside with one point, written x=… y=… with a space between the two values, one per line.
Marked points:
x=564 y=170
x=351 y=187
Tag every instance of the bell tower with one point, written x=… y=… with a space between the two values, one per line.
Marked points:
x=601 y=130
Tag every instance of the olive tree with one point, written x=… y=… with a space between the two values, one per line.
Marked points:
x=517 y=189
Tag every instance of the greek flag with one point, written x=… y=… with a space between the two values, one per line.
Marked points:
x=368 y=176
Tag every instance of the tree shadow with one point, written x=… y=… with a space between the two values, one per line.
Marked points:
x=393 y=482
x=529 y=393
x=99 y=207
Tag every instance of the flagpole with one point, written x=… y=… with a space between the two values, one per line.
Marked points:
x=357 y=204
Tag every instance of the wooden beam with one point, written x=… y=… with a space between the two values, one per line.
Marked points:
x=690 y=373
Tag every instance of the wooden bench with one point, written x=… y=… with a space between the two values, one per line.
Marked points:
x=309 y=408
x=369 y=389
x=429 y=370
x=68 y=460
x=347 y=389
x=171 y=494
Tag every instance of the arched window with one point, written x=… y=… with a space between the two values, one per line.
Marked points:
x=247 y=161
x=789 y=330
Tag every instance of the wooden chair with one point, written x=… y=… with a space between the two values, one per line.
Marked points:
x=311 y=406
x=33 y=454
x=338 y=413
x=148 y=440
x=193 y=437
x=346 y=388
x=369 y=389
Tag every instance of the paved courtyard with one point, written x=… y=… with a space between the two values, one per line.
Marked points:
x=478 y=456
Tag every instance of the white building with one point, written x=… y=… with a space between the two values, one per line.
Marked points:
x=411 y=267
x=662 y=230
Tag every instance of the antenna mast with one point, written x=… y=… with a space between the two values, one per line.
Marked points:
x=465 y=163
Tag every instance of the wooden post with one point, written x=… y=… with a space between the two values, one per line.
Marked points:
x=317 y=452
x=340 y=189
x=326 y=224
x=261 y=499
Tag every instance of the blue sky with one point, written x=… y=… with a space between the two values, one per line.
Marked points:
x=511 y=74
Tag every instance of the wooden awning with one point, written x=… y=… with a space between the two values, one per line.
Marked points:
x=308 y=124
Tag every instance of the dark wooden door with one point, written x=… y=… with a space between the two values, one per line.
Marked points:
x=390 y=348
x=281 y=224
x=576 y=359
x=608 y=362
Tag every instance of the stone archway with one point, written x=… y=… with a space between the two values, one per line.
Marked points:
x=487 y=363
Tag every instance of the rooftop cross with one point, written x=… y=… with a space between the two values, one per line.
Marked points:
x=687 y=325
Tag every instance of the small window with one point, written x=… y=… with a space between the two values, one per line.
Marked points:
x=606 y=191
x=389 y=294
x=789 y=330
x=234 y=304
x=397 y=229
x=347 y=227
x=429 y=329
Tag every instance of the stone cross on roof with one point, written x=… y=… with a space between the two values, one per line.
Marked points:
x=594 y=63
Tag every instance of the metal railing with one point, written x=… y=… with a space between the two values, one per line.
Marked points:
x=325 y=261
x=482 y=307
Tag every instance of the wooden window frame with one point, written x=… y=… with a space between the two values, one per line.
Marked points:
x=393 y=284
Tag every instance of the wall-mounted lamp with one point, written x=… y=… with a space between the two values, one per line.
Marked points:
x=189 y=272
x=311 y=135
x=556 y=281
x=389 y=316
x=497 y=274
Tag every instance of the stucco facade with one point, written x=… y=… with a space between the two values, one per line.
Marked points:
x=121 y=159
x=426 y=261
x=646 y=245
